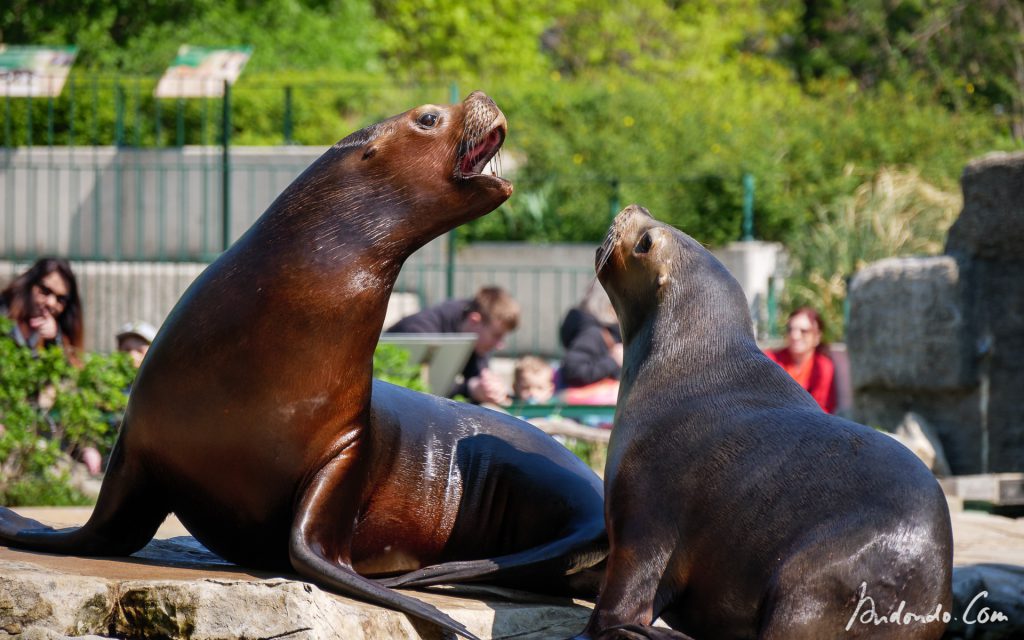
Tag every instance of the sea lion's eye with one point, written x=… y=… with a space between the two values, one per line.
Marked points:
x=643 y=245
x=427 y=120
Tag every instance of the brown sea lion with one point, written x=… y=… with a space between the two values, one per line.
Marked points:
x=735 y=507
x=251 y=415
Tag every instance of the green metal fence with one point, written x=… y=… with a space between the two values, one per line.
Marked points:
x=107 y=173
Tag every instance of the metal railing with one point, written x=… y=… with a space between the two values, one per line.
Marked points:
x=108 y=174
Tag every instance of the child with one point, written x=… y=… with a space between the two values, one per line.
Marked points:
x=534 y=381
x=134 y=339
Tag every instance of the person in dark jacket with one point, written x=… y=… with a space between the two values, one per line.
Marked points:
x=592 y=341
x=491 y=314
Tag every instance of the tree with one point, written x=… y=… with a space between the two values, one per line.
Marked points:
x=133 y=37
x=441 y=38
x=967 y=53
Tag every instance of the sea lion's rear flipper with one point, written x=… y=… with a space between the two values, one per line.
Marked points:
x=640 y=632
x=128 y=512
x=548 y=567
x=320 y=548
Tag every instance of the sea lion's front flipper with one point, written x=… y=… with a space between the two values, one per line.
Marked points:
x=128 y=512
x=320 y=548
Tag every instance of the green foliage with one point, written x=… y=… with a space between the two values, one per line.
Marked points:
x=48 y=408
x=438 y=38
x=593 y=454
x=659 y=102
x=967 y=54
x=391 y=364
x=133 y=37
x=681 y=149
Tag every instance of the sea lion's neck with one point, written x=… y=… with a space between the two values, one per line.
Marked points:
x=683 y=346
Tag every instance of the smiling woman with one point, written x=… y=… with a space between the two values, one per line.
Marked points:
x=44 y=306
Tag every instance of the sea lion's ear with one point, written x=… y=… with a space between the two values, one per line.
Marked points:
x=664 y=277
x=369 y=152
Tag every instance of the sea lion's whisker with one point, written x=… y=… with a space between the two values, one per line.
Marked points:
x=607 y=247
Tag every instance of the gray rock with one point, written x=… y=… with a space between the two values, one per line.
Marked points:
x=905 y=326
x=952 y=414
x=981 y=590
x=993 y=294
x=916 y=434
x=190 y=593
x=991 y=225
x=944 y=337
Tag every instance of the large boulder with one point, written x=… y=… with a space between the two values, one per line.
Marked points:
x=176 y=589
x=991 y=225
x=944 y=336
x=906 y=324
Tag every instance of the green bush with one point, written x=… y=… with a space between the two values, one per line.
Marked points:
x=391 y=364
x=48 y=408
x=82 y=407
x=681 y=148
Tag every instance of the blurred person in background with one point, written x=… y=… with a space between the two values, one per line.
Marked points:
x=491 y=314
x=44 y=306
x=805 y=357
x=134 y=339
x=533 y=381
x=592 y=341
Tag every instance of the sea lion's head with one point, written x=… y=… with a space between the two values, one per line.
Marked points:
x=634 y=264
x=650 y=268
x=426 y=167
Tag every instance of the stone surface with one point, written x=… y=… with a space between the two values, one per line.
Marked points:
x=905 y=326
x=994 y=298
x=944 y=337
x=181 y=596
x=979 y=592
x=953 y=414
x=175 y=588
x=916 y=434
x=991 y=225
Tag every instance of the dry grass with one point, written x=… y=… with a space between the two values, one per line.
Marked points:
x=894 y=213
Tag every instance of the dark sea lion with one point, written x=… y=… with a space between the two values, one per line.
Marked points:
x=735 y=507
x=250 y=417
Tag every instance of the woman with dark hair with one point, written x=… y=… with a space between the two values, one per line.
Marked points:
x=44 y=305
x=805 y=357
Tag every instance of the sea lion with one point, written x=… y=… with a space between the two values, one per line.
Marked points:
x=250 y=418
x=735 y=507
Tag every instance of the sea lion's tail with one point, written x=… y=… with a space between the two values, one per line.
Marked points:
x=126 y=517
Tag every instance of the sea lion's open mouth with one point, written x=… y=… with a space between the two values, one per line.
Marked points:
x=480 y=151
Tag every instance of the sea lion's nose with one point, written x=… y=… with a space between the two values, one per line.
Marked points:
x=480 y=96
x=629 y=212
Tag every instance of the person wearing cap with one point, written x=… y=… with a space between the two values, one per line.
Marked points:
x=134 y=339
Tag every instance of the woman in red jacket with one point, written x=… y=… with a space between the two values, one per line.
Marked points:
x=805 y=357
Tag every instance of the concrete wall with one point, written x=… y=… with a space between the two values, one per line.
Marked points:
x=550 y=279
x=140 y=204
x=118 y=212
x=547 y=280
